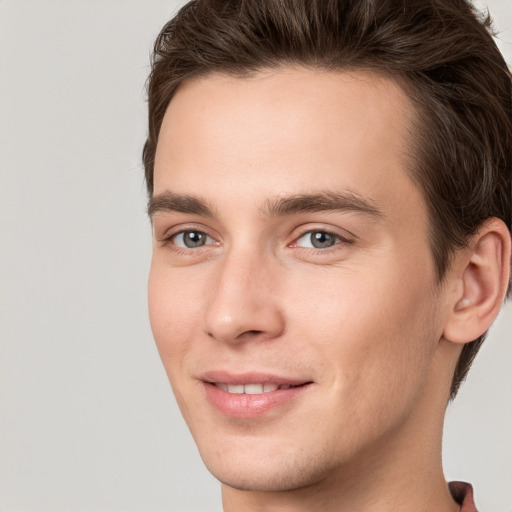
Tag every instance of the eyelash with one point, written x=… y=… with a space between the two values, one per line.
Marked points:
x=169 y=239
x=340 y=240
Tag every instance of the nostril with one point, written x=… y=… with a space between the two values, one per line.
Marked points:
x=249 y=334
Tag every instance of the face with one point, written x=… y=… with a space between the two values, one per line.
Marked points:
x=292 y=293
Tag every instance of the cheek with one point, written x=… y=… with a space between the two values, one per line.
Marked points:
x=173 y=313
x=174 y=309
x=377 y=330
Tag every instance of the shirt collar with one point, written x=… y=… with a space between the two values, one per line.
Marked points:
x=462 y=493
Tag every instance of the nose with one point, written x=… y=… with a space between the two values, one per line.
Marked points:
x=243 y=303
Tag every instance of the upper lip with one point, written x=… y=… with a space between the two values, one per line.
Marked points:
x=251 y=378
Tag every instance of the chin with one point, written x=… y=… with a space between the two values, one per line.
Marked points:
x=274 y=481
x=271 y=473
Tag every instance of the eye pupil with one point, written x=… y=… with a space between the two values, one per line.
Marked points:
x=320 y=239
x=194 y=239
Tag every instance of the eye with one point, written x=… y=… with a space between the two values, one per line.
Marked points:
x=318 y=240
x=191 y=239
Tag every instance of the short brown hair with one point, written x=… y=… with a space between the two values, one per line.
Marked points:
x=441 y=51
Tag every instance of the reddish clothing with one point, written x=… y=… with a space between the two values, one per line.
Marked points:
x=463 y=494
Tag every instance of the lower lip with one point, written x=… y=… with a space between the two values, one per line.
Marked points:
x=241 y=405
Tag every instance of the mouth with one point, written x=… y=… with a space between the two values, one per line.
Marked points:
x=254 y=389
x=253 y=395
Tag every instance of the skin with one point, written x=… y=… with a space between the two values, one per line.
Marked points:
x=363 y=320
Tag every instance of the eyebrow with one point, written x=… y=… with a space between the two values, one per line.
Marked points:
x=278 y=207
x=322 y=201
x=172 y=202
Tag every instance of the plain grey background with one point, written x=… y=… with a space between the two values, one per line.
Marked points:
x=87 y=418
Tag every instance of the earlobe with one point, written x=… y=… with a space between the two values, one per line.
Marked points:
x=483 y=278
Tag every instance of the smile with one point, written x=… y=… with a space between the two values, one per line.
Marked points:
x=252 y=389
x=252 y=396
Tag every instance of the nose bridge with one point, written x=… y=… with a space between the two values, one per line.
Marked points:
x=243 y=301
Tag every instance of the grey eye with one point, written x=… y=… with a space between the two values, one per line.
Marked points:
x=191 y=239
x=318 y=240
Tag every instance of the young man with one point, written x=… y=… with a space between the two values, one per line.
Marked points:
x=330 y=191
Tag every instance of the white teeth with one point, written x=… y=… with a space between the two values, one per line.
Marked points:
x=238 y=389
x=249 y=389
x=253 y=389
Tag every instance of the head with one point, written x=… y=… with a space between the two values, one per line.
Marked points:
x=450 y=134
x=441 y=53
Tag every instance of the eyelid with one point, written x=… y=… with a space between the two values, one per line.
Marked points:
x=174 y=231
x=343 y=235
x=350 y=239
x=179 y=240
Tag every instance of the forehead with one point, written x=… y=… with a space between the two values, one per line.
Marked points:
x=288 y=130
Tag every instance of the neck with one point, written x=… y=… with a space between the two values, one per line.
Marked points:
x=394 y=477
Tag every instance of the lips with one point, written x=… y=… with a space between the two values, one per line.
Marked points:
x=251 y=395
x=252 y=389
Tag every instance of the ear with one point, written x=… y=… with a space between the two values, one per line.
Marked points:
x=481 y=273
